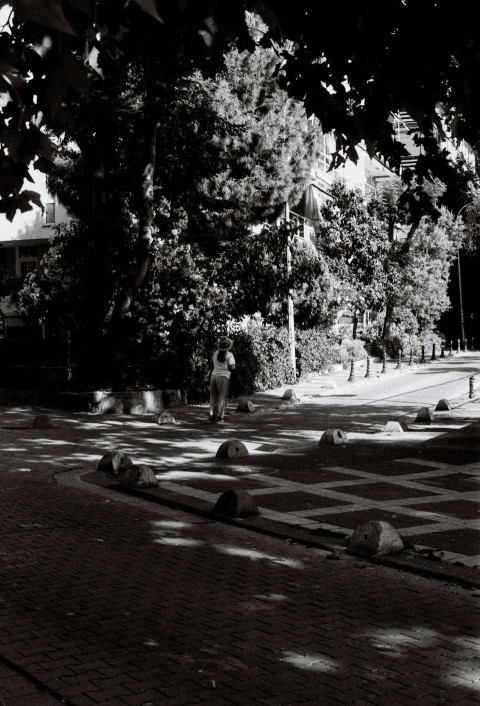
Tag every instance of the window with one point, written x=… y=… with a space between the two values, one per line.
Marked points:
x=49 y=213
x=27 y=266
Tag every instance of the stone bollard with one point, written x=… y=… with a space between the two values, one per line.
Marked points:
x=114 y=464
x=352 y=371
x=164 y=417
x=246 y=406
x=465 y=346
x=410 y=359
x=442 y=351
x=450 y=349
x=399 y=363
x=235 y=503
x=434 y=357
x=43 y=421
x=232 y=449
x=333 y=437
x=393 y=428
x=368 y=374
x=290 y=397
x=384 y=362
x=141 y=476
x=458 y=345
x=471 y=383
x=443 y=406
x=422 y=358
x=375 y=537
x=424 y=416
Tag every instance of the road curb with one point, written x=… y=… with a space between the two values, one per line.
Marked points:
x=406 y=560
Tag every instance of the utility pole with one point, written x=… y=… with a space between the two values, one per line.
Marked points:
x=291 y=318
x=462 y=322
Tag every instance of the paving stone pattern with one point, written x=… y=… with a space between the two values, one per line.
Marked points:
x=110 y=603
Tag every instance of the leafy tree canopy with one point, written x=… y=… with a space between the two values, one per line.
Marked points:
x=353 y=64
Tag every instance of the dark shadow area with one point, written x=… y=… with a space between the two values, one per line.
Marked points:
x=107 y=601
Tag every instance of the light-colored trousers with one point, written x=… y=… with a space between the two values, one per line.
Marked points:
x=219 y=385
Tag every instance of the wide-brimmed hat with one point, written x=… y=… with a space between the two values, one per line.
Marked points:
x=224 y=343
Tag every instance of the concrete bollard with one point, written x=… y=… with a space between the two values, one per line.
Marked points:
x=141 y=476
x=164 y=417
x=114 y=464
x=422 y=358
x=399 y=363
x=393 y=428
x=410 y=359
x=458 y=345
x=443 y=406
x=246 y=406
x=424 y=416
x=232 y=449
x=235 y=503
x=368 y=374
x=333 y=437
x=375 y=537
x=434 y=357
x=471 y=383
x=290 y=397
x=352 y=371
x=384 y=362
x=442 y=351
x=43 y=421
x=450 y=349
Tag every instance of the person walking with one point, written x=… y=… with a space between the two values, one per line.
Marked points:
x=223 y=364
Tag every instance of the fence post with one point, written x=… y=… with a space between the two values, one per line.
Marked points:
x=384 y=361
x=368 y=374
x=399 y=363
x=352 y=371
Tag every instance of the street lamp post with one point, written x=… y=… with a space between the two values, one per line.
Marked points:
x=291 y=319
x=462 y=322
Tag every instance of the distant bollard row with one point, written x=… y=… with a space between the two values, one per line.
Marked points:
x=443 y=348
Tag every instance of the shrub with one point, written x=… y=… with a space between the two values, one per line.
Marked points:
x=316 y=351
x=263 y=359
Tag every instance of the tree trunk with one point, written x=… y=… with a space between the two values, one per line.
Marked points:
x=388 y=320
x=144 y=239
x=355 y=324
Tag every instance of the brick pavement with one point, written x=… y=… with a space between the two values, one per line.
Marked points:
x=126 y=603
x=107 y=599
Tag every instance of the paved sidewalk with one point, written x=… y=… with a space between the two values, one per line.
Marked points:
x=425 y=482
x=110 y=600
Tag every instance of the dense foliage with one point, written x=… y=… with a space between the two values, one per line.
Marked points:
x=352 y=64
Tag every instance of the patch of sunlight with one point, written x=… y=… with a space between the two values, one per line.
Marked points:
x=170 y=524
x=86 y=457
x=311 y=662
x=178 y=541
x=397 y=641
x=20 y=470
x=55 y=442
x=255 y=555
x=191 y=475
x=274 y=597
x=150 y=643
x=465 y=673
